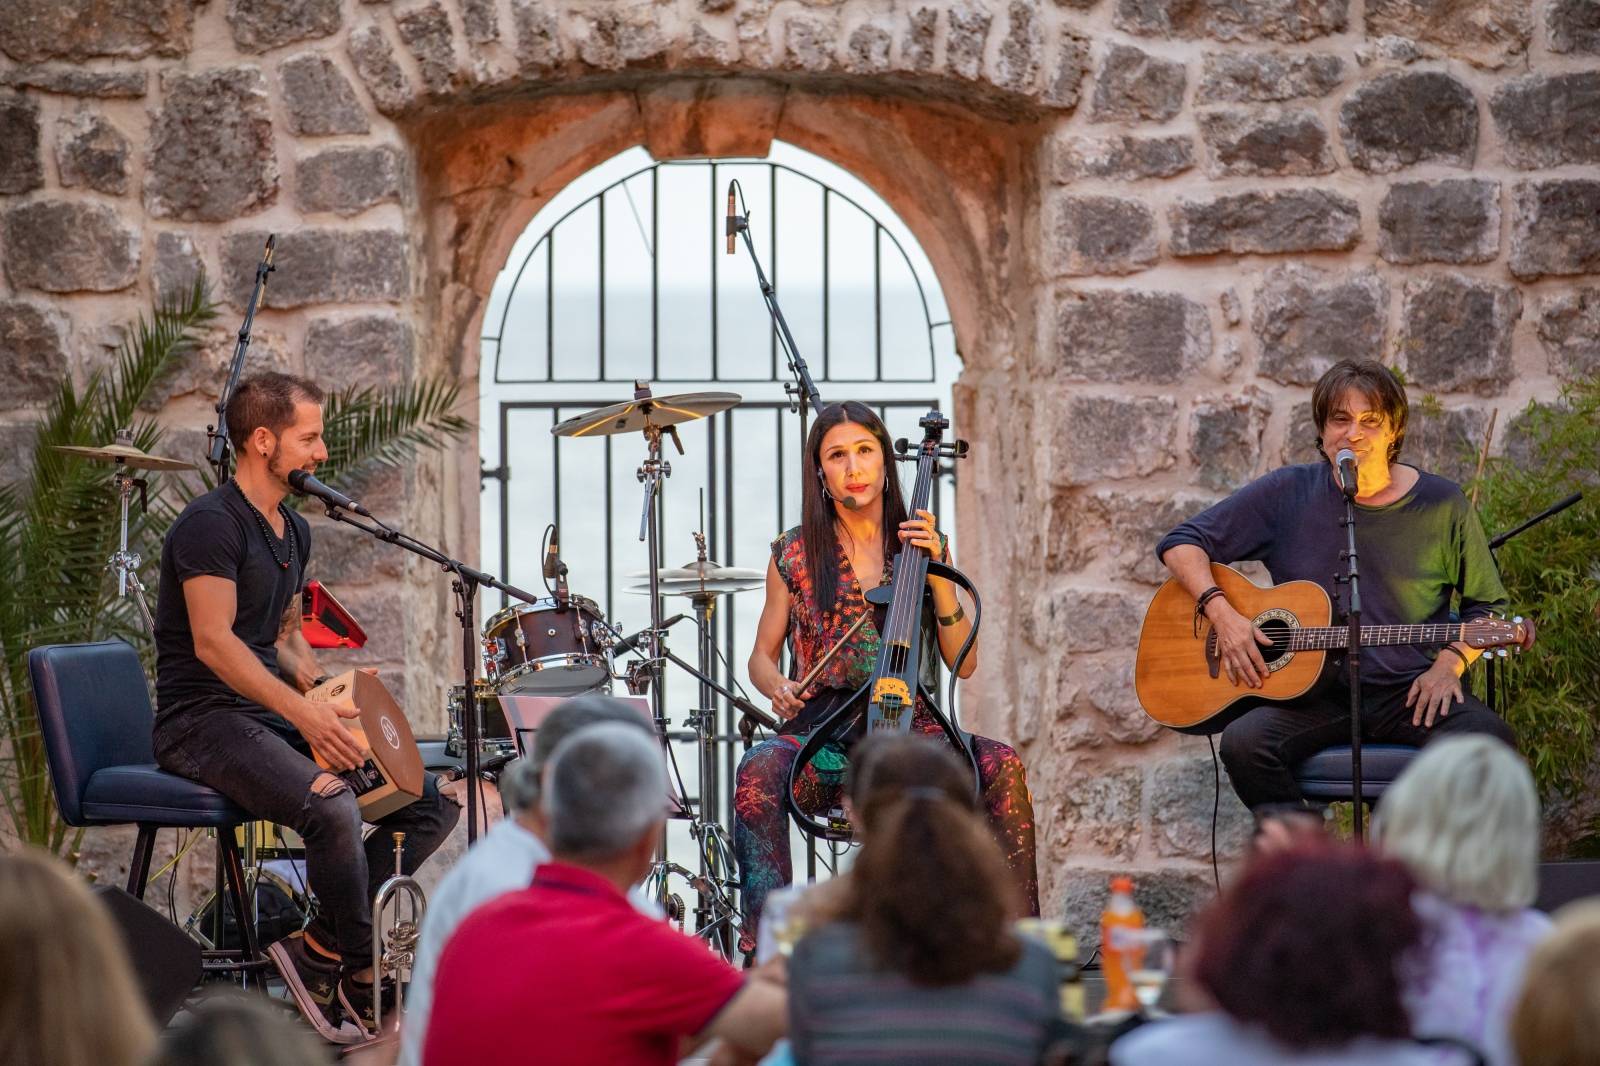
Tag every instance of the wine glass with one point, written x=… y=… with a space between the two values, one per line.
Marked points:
x=1150 y=965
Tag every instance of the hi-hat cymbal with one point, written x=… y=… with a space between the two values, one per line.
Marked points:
x=634 y=415
x=697 y=579
x=125 y=454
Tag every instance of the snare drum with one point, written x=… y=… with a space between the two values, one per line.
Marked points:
x=544 y=649
x=493 y=732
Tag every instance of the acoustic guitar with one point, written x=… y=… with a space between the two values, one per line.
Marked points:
x=1182 y=683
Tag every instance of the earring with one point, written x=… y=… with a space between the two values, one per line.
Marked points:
x=822 y=481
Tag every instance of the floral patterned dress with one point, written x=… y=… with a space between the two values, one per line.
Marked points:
x=760 y=825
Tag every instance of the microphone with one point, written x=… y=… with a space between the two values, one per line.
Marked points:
x=730 y=229
x=1346 y=460
x=631 y=641
x=849 y=503
x=306 y=485
x=552 y=556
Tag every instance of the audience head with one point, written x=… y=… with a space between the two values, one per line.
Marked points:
x=520 y=784
x=930 y=891
x=1464 y=816
x=235 y=1030
x=605 y=795
x=67 y=994
x=1556 y=1020
x=1308 y=943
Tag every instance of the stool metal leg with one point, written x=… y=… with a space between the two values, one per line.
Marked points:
x=139 y=864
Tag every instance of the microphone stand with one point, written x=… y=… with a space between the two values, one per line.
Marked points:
x=217 y=444
x=465 y=584
x=1352 y=616
x=1495 y=542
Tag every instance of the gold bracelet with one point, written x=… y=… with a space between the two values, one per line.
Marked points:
x=952 y=619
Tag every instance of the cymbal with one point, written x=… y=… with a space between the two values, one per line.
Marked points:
x=697 y=579
x=634 y=415
x=126 y=455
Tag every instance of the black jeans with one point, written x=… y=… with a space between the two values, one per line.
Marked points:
x=263 y=764
x=1262 y=746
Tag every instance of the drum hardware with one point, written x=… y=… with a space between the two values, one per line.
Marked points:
x=394 y=953
x=128 y=458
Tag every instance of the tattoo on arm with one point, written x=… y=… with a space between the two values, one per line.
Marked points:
x=290 y=622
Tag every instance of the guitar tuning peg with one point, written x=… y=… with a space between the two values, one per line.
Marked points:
x=1517 y=620
x=1503 y=653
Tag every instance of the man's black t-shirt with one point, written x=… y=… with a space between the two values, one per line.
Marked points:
x=220 y=535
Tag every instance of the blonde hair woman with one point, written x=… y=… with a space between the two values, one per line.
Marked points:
x=1556 y=1021
x=1465 y=818
x=67 y=995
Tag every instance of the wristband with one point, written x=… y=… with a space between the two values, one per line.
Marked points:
x=952 y=619
x=1459 y=654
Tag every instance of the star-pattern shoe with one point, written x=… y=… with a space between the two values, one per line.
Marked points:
x=358 y=1002
x=313 y=983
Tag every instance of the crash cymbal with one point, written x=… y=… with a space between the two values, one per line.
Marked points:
x=695 y=588
x=636 y=414
x=125 y=454
x=697 y=578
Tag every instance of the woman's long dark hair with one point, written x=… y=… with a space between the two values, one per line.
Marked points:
x=816 y=508
x=930 y=893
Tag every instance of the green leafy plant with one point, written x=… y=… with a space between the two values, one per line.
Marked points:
x=1552 y=573
x=59 y=523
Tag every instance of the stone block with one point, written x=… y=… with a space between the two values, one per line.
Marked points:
x=1266 y=77
x=319 y=266
x=91 y=151
x=1440 y=222
x=917 y=45
x=343 y=556
x=71 y=81
x=64 y=246
x=1168 y=898
x=1445 y=441
x=177 y=265
x=366 y=350
x=262 y=25
x=1305 y=320
x=348 y=180
x=1083 y=620
x=1300 y=442
x=1108 y=437
x=1555 y=228
x=21 y=166
x=1288 y=21
x=1225 y=437
x=1064 y=83
x=1117 y=528
x=1107 y=687
x=867 y=51
x=1574 y=26
x=809 y=44
x=1247 y=143
x=1546 y=121
x=33 y=353
x=379 y=71
x=1100 y=812
x=1288 y=220
x=538 y=36
x=1487 y=33
x=1134 y=85
x=481 y=21
x=1156 y=337
x=17 y=441
x=1101 y=235
x=202 y=369
x=1120 y=157
x=1183 y=794
x=966 y=33
x=623 y=35
x=1021 y=53
x=210 y=157
x=426 y=33
x=1569 y=330
x=318 y=98
x=38 y=31
x=1407 y=117
x=1456 y=333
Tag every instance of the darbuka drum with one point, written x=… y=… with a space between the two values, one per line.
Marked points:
x=545 y=649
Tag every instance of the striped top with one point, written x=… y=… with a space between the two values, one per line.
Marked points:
x=844 y=1011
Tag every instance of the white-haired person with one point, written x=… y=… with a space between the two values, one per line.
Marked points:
x=504 y=858
x=567 y=970
x=1464 y=818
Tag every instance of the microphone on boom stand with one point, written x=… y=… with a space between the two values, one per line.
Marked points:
x=1347 y=471
x=306 y=485
x=732 y=227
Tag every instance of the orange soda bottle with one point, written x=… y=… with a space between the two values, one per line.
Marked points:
x=1121 y=913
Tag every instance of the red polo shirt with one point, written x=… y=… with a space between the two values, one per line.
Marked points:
x=567 y=971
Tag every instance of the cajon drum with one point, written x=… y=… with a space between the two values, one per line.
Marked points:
x=392 y=774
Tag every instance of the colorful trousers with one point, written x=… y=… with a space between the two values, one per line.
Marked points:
x=761 y=818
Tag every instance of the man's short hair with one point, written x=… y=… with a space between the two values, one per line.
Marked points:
x=1374 y=381
x=605 y=788
x=1464 y=816
x=519 y=785
x=267 y=401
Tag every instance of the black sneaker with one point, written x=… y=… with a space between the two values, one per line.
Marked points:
x=359 y=1006
x=313 y=982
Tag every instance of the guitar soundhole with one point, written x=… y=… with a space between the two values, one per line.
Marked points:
x=1277 y=656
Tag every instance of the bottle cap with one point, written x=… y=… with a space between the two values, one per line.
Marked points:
x=1122 y=884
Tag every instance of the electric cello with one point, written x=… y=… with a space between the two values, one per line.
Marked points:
x=887 y=702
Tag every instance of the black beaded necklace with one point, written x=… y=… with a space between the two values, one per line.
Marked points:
x=266 y=530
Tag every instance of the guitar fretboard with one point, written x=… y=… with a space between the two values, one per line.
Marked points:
x=1315 y=637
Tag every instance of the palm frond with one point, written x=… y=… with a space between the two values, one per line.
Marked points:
x=367 y=427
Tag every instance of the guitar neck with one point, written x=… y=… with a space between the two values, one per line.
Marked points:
x=1315 y=637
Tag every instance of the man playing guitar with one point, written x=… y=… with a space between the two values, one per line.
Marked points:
x=1420 y=543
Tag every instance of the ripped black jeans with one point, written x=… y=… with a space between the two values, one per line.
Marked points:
x=263 y=764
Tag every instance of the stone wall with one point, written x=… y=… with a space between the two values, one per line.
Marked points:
x=1156 y=222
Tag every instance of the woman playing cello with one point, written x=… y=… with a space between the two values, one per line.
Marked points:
x=853 y=518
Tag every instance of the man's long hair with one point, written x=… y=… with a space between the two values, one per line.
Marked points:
x=816 y=508
x=1373 y=380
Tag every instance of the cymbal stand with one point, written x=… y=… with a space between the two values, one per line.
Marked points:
x=123 y=563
